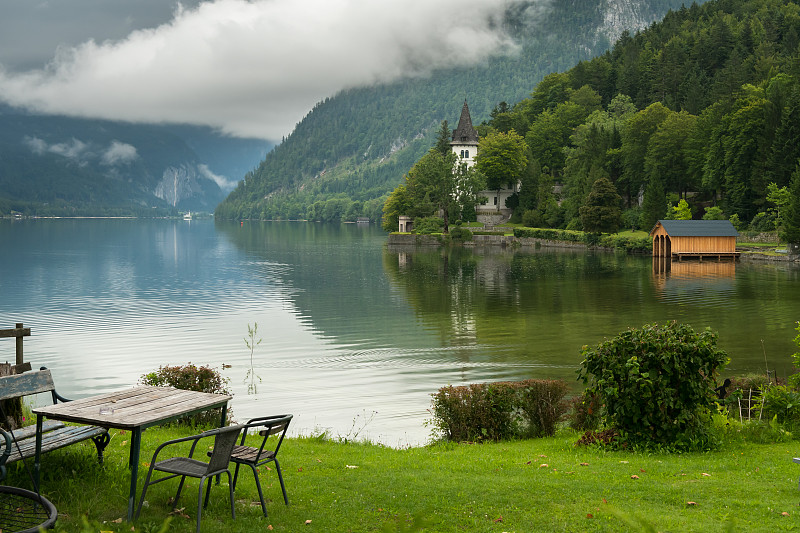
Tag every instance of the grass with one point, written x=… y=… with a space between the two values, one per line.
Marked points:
x=532 y=485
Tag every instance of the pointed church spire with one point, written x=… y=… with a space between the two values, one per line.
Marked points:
x=465 y=133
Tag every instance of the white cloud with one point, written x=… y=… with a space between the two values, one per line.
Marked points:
x=119 y=153
x=74 y=149
x=255 y=68
x=224 y=183
x=38 y=146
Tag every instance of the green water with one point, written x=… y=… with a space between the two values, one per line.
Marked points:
x=356 y=335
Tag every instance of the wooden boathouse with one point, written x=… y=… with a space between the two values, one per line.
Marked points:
x=696 y=239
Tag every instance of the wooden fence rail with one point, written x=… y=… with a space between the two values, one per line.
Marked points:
x=18 y=332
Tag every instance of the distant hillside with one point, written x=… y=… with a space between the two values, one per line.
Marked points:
x=352 y=149
x=61 y=166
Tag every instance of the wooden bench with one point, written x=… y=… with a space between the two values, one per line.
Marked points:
x=20 y=443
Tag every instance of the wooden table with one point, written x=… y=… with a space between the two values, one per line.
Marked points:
x=134 y=409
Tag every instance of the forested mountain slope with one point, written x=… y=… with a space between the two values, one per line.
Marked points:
x=702 y=107
x=352 y=149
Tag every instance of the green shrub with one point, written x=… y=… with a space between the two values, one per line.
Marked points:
x=584 y=412
x=474 y=412
x=541 y=401
x=627 y=243
x=428 y=225
x=497 y=411
x=656 y=384
x=549 y=234
x=783 y=404
x=794 y=379
x=195 y=378
x=460 y=234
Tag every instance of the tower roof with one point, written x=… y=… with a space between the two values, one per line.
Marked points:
x=465 y=133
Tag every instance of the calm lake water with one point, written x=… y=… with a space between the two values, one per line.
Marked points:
x=356 y=335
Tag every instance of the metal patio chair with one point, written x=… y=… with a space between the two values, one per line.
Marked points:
x=224 y=441
x=257 y=456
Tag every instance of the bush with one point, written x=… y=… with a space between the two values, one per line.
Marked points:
x=584 y=412
x=460 y=234
x=497 y=411
x=474 y=412
x=763 y=222
x=628 y=243
x=783 y=404
x=656 y=384
x=428 y=225
x=541 y=401
x=191 y=377
x=794 y=379
x=549 y=234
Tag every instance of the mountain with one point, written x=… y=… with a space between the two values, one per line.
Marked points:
x=53 y=165
x=352 y=149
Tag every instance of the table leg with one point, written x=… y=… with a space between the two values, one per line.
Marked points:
x=38 y=456
x=136 y=441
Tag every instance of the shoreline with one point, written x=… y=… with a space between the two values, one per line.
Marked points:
x=510 y=241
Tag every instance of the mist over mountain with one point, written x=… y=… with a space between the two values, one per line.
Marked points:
x=353 y=148
x=51 y=165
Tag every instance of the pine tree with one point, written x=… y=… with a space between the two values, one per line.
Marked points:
x=443 y=139
x=602 y=213
x=654 y=205
x=791 y=223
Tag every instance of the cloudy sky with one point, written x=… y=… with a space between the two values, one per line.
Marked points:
x=250 y=68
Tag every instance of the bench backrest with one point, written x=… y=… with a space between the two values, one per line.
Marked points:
x=27 y=383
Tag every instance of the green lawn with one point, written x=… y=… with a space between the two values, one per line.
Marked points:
x=533 y=485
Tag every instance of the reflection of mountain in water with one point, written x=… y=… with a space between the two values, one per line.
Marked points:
x=518 y=305
x=511 y=310
x=333 y=276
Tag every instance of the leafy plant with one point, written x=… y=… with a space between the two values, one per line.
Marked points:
x=251 y=343
x=656 y=383
x=428 y=225
x=498 y=411
x=459 y=233
x=584 y=412
x=783 y=404
x=195 y=378
x=794 y=379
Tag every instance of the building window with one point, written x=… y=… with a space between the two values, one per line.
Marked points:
x=466 y=154
x=462 y=154
x=495 y=200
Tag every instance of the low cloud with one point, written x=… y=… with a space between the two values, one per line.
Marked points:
x=119 y=153
x=255 y=68
x=74 y=149
x=224 y=183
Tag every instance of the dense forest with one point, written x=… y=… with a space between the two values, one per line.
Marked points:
x=703 y=107
x=351 y=150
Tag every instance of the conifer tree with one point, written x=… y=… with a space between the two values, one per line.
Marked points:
x=654 y=205
x=791 y=222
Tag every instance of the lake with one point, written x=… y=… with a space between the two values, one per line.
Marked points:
x=355 y=335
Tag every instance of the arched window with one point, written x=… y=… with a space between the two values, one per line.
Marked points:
x=466 y=154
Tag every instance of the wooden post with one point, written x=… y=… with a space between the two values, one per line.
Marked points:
x=19 y=345
x=18 y=332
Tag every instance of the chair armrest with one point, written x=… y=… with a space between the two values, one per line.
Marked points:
x=56 y=396
x=262 y=419
x=7 y=447
x=195 y=438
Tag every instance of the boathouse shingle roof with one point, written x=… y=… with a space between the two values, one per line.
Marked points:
x=697 y=228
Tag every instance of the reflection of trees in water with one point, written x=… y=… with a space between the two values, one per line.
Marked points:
x=500 y=297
